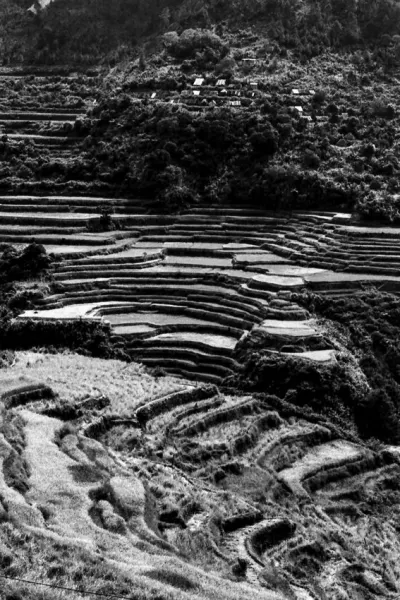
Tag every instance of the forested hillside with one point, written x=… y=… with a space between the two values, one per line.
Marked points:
x=93 y=30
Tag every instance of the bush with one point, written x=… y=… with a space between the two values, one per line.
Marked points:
x=382 y=207
x=175 y=198
x=381 y=108
x=372 y=323
x=88 y=337
x=16 y=265
x=311 y=160
x=264 y=142
x=192 y=41
x=319 y=96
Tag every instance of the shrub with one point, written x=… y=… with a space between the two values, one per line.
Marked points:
x=372 y=323
x=192 y=41
x=15 y=264
x=226 y=67
x=265 y=141
x=374 y=206
x=381 y=108
x=311 y=160
x=319 y=96
x=89 y=337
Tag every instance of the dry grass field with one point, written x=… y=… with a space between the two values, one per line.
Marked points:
x=74 y=377
x=179 y=491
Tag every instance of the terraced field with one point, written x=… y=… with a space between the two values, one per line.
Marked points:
x=42 y=109
x=160 y=469
x=181 y=291
x=168 y=278
x=239 y=484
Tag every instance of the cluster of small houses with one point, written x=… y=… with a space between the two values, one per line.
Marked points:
x=209 y=95
x=200 y=96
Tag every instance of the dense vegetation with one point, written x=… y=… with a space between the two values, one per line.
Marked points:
x=329 y=389
x=371 y=323
x=95 y=29
x=367 y=326
x=16 y=265
x=265 y=154
x=343 y=156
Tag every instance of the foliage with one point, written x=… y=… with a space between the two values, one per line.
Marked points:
x=96 y=29
x=176 y=156
x=30 y=262
x=88 y=337
x=15 y=467
x=193 y=41
x=379 y=207
x=325 y=388
x=372 y=324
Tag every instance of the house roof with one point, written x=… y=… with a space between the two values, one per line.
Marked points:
x=196 y=92
x=221 y=81
x=198 y=81
x=295 y=91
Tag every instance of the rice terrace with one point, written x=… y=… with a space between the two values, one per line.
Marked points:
x=199 y=300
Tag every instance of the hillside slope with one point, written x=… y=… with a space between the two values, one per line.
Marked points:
x=88 y=31
x=207 y=208
x=247 y=488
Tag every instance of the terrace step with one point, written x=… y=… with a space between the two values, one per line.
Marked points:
x=184 y=324
x=30 y=231
x=126 y=257
x=194 y=355
x=213 y=344
x=43 y=140
x=38 y=116
x=71 y=200
x=106 y=271
x=48 y=239
x=192 y=374
x=195 y=367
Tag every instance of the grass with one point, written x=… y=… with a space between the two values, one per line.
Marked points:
x=16 y=470
x=72 y=377
x=53 y=562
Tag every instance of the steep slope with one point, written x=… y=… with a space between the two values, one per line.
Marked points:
x=245 y=486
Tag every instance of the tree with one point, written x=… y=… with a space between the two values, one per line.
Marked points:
x=264 y=142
